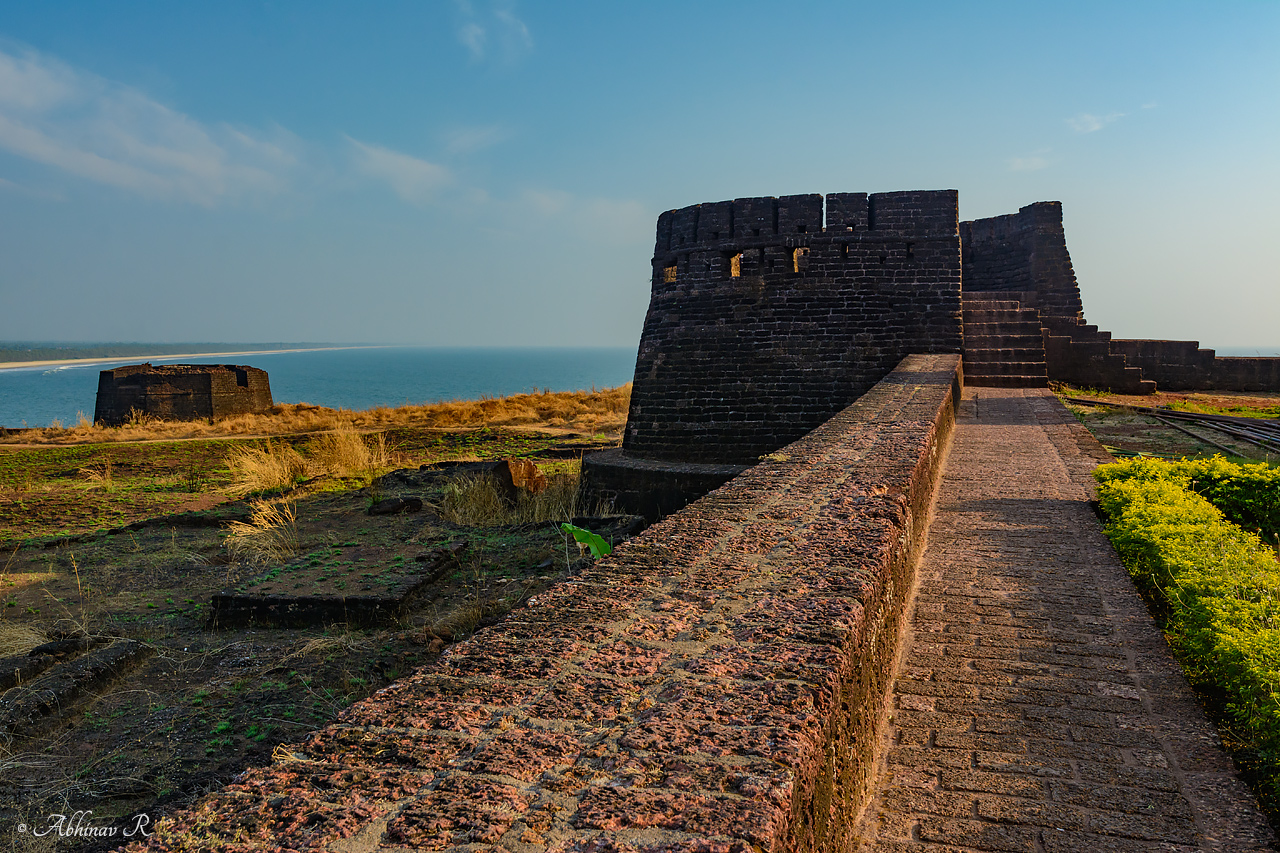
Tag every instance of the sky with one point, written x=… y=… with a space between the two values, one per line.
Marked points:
x=489 y=173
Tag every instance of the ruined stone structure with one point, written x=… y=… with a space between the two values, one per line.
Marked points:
x=180 y=392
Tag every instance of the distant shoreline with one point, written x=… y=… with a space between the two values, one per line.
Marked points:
x=14 y=365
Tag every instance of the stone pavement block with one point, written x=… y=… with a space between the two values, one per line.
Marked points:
x=1117 y=799
x=1070 y=716
x=916 y=801
x=932 y=758
x=978 y=834
x=1031 y=812
x=1075 y=750
x=1145 y=826
x=934 y=688
x=913 y=737
x=975 y=741
x=1010 y=762
x=994 y=783
x=999 y=674
x=1134 y=777
x=1124 y=737
x=932 y=720
x=1018 y=725
x=1079 y=842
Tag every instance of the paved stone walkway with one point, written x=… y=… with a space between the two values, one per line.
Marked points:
x=1036 y=705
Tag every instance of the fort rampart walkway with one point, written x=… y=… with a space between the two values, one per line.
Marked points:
x=1036 y=706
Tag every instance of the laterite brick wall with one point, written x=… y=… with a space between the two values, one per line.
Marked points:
x=714 y=685
x=1024 y=254
x=769 y=315
x=1183 y=366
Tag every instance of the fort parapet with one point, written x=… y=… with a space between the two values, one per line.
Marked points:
x=180 y=392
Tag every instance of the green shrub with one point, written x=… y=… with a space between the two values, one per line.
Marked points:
x=1248 y=495
x=1219 y=584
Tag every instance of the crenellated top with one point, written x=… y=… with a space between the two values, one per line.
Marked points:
x=774 y=236
x=913 y=213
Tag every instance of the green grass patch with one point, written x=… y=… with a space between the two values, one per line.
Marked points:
x=1216 y=587
x=1234 y=411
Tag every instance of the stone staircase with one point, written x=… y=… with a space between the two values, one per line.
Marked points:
x=1003 y=345
x=1083 y=355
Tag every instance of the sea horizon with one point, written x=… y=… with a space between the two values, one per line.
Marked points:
x=354 y=376
x=340 y=378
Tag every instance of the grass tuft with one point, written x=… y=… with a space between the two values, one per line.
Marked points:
x=345 y=453
x=263 y=469
x=270 y=534
x=477 y=501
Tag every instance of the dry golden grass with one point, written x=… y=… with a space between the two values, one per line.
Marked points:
x=342 y=453
x=475 y=501
x=18 y=639
x=270 y=535
x=603 y=410
x=261 y=469
x=345 y=453
x=343 y=644
x=100 y=476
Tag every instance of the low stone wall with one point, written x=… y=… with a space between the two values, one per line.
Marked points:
x=715 y=685
x=1183 y=366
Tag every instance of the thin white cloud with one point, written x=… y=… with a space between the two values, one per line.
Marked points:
x=465 y=140
x=473 y=38
x=1089 y=123
x=84 y=125
x=413 y=179
x=492 y=33
x=1151 y=105
x=513 y=32
x=610 y=220
x=26 y=83
x=1030 y=163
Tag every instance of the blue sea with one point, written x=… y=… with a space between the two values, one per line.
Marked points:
x=343 y=378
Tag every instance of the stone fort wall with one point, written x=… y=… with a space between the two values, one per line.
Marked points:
x=180 y=392
x=769 y=315
x=1184 y=366
x=1023 y=255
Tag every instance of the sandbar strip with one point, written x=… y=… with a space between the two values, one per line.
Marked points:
x=13 y=365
